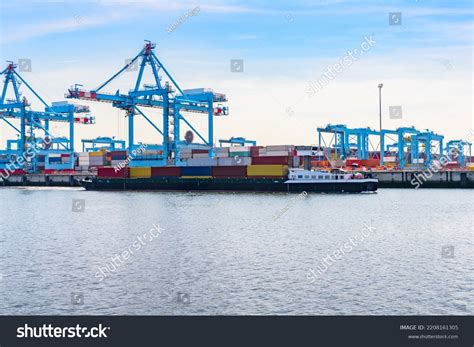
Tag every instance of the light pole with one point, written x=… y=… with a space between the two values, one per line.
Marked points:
x=380 y=105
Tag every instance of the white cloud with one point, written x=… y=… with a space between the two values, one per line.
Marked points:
x=77 y=22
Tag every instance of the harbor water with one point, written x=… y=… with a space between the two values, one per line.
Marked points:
x=399 y=251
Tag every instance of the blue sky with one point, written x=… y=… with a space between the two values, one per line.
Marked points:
x=425 y=63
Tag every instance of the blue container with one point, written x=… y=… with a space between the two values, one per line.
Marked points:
x=119 y=157
x=196 y=171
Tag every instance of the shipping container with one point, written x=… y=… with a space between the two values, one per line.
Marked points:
x=277 y=148
x=119 y=163
x=110 y=172
x=140 y=172
x=166 y=171
x=239 y=154
x=268 y=153
x=254 y=151
x=281 y=160
x=229 y=171
x=234 y=161
x=199 y=151
x=96 y=154
x=267 y=170
x=202 y=162
x=201 y=155
x=196 y=171
x=239 y=149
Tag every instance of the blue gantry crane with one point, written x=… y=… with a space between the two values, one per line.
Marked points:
x=345 y=141
x=109 y=143
x=164 y=94
x=408 y=140
x=35 y=138
x=427 y=140
x=241 y=141
x=459 y=150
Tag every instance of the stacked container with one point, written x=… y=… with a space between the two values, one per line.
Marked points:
x=229 y=171
x=110 y=172
x=196 y=172
x=117 y=157
x=54 y=158
x=166 y=171
x=96 y=159
x=185 y=153
x=240 y=151
x=221 y=152
x=234 y=161
x=267 y=171
x=140 y=172
x=202 y=162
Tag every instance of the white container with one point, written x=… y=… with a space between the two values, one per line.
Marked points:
x=274 y=154
x=201 y=155
x=239 y=149
x=279 y=148
x=304 y=152
x=389 y=159
x=234 y=161
x=202 y=162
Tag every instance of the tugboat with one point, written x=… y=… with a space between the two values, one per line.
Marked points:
x=298 y=180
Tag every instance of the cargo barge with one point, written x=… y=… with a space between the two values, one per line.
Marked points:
x=298 y=180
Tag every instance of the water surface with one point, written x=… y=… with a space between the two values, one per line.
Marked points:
x=225 y=253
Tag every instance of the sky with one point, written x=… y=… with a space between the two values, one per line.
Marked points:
x=281 y=95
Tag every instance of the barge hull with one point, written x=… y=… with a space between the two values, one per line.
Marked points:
x=228 y=184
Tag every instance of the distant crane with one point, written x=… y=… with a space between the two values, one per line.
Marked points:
x=34 y=135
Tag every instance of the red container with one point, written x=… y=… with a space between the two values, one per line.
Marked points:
x=123 y=153
x=169 y=171
x=367 y=163
x=254 y=151
x=65 y=155
x=109 y=172
x=195 y=151
x=452 y=165
x=229 y=171
x=18 y=172
x=271 y=160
